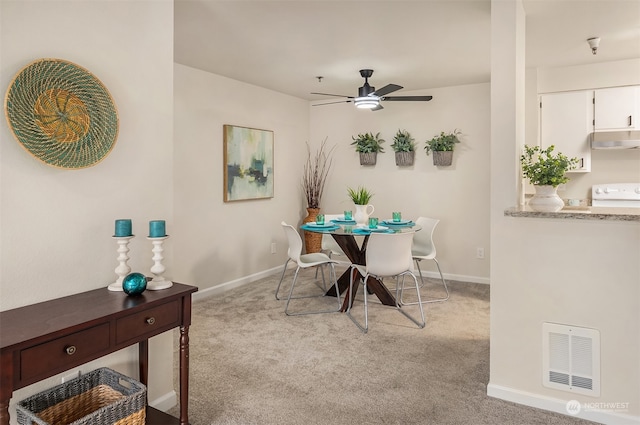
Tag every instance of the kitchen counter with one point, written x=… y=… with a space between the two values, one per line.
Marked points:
x=578 y=213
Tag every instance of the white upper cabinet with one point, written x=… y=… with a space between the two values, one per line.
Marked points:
x=566 y=121
x=617 y=108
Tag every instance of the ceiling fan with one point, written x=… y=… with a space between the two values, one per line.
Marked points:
x=370 y=98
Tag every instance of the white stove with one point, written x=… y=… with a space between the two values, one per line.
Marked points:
x=625 y=195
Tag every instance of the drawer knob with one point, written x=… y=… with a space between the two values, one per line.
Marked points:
x=151 y=320
x=71 y=350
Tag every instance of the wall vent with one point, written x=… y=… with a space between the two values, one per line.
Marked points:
x=571 y=358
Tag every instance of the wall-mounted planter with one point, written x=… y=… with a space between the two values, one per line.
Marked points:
x=442 y=158
x=404 y=159
x=368 y=158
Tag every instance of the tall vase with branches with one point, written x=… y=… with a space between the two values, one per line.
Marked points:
x=316 y=171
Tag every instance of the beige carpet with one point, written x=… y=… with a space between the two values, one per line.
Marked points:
x=251 y=364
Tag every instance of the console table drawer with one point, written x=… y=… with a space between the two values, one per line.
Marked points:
x=147 y=322
x=63 y=353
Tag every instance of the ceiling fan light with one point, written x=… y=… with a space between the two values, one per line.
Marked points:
x=366 y=102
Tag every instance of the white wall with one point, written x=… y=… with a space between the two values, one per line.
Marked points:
x=579 y=273
x=56 y=225
x=221 y=242
x=458 y=195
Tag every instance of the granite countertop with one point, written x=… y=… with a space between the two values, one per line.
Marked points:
x=578 y=213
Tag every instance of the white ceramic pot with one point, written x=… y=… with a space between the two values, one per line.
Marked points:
x=546 y=199
x=362 y=213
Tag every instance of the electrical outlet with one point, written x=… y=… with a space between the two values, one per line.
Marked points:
x=273 y=247
x=480 y=252
x=68 y=377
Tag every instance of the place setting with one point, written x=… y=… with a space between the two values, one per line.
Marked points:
x=319 y=225
x=397 y=221
x=347 y=219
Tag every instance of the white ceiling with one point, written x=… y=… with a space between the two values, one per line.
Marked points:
x=418 y=44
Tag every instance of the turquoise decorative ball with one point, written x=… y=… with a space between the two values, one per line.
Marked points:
x=134 y=284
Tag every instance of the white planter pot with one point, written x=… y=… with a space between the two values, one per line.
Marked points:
x=546 y=199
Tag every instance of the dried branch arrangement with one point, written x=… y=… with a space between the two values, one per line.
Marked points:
x=315 y=175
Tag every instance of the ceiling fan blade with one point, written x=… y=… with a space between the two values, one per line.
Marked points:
x=389 y=88
x=331 y=103
x=407 y=98
x=336 y=95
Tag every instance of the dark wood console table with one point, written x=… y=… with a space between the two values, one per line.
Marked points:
x=44 y=339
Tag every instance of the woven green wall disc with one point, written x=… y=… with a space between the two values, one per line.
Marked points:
x=61 y=114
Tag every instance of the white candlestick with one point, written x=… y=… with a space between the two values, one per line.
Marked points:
x=123 y=268
x=158 y=282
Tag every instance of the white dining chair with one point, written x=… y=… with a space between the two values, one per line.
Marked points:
x=424 y=249
x=304 y=261
x=387 y=255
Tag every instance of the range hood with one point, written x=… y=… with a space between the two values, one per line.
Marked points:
x=623 y=139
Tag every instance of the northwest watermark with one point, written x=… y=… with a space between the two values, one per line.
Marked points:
x=574 y=407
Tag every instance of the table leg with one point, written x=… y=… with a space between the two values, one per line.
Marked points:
x=143 y=361
x=6 y=385
x=184 y=375
x=4 y=412
x=357 y=255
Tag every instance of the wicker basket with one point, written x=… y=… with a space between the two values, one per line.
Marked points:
x=101 y=397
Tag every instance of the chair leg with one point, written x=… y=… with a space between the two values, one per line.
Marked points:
x=364 y=328
x=444 y=284
x=282 y=277
x=399 y=303
x=291 y=297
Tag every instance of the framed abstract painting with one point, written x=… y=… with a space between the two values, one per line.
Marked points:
x=248 y=163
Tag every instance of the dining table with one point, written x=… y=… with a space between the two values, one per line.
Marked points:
x=345 y=232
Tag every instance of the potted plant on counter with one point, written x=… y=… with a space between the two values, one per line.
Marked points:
x=442 y=146
x=368 y=145
x=314 y=177
x=404 y=147
x=546 y=172
x=361 y=197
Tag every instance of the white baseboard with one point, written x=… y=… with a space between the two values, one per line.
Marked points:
x=226 y=286
x=601 y=415
x=165 y=402
x=456 y=277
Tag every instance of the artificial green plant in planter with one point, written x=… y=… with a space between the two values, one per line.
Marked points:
x=361 y=197
x=442 y=146
x=368 y=145
x=546 y=172
x=404 y=147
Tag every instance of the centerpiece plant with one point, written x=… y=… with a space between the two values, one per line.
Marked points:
x=368 y=145
x=361 y=197
x=546 y=171
x=404 y=147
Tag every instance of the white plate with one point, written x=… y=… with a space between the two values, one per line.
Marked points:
x=312 y=224
x=366 y=227
x=397 y=222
